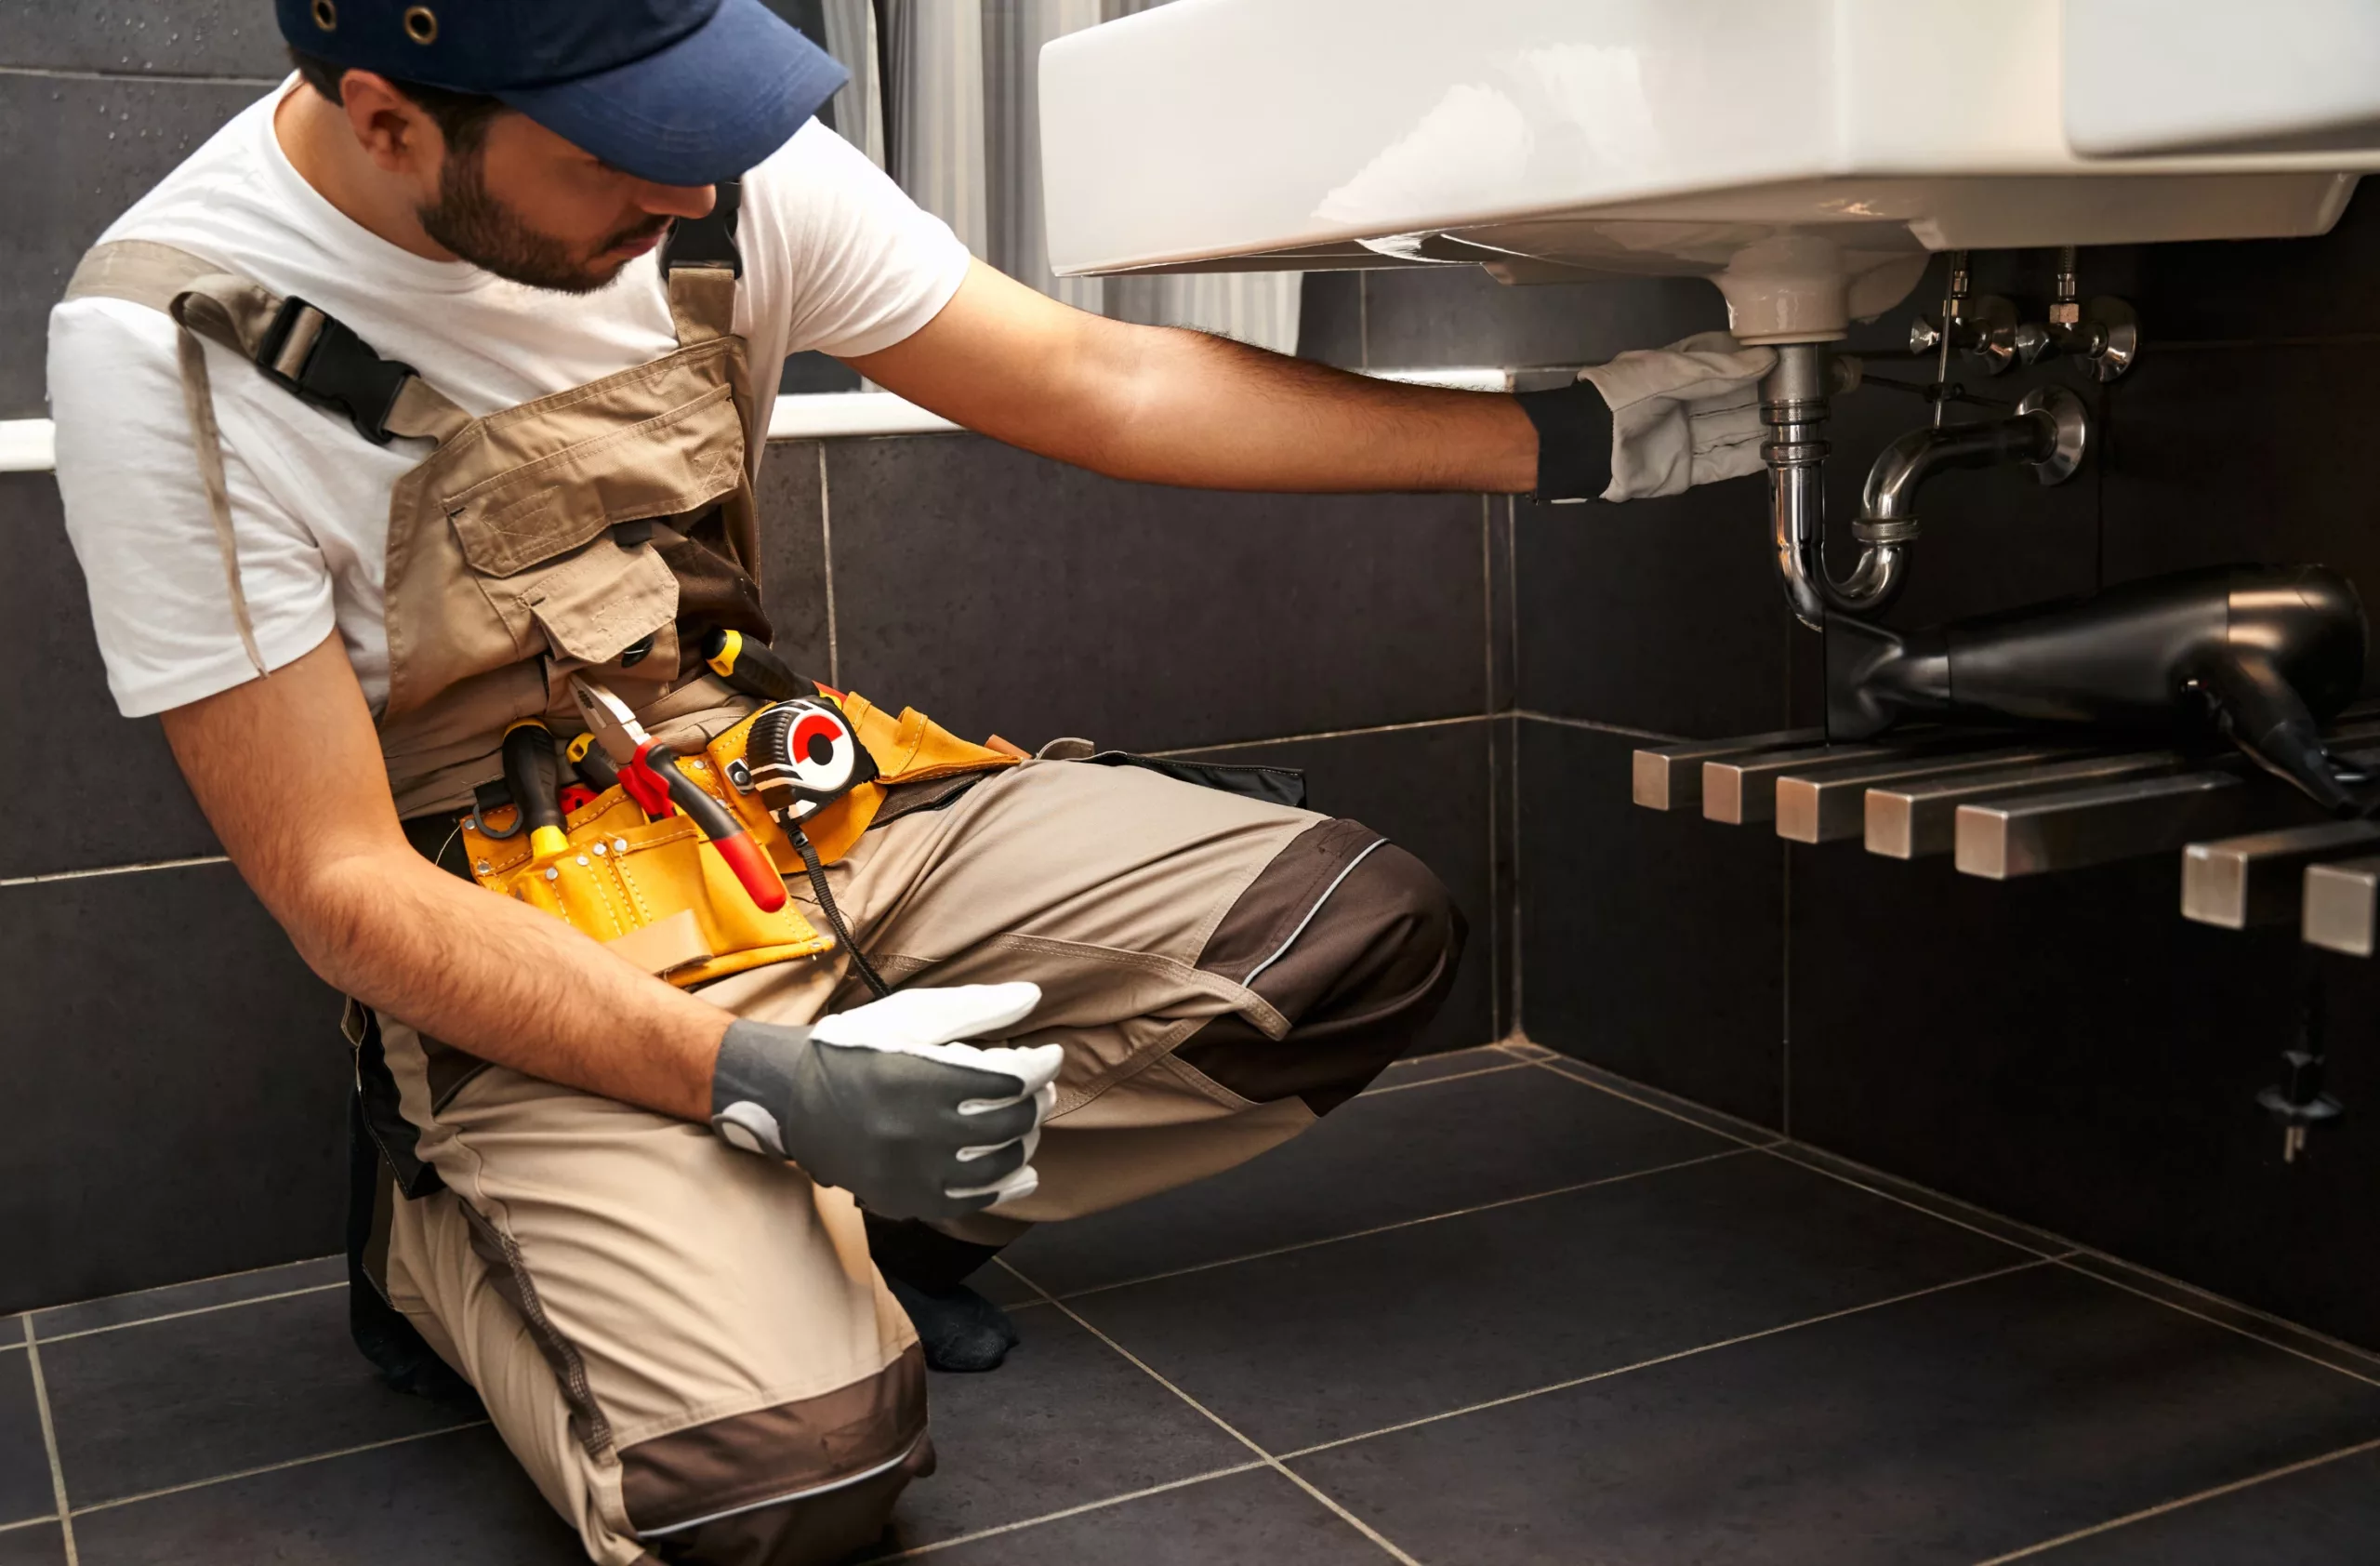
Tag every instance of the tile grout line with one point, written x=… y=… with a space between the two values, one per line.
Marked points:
x=1357 y=1523
x=48 y=876
x=274 y=1469
x=1449 y=1077
x=50 y=1444
x=28 y=1522
x=1323 y=734
x=1555 y=1068
x=1061 y=1515
x=1597 y=727
x=2179 y=1502
x=826 y=554
x=1399 y=1223
x=2066 y=1262
x=67 y=73
x=1667 y=1359
x=195 y=1310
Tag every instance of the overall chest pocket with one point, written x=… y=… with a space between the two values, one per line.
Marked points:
x=540 y=538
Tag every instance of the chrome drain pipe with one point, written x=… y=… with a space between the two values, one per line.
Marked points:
x=1794 y=405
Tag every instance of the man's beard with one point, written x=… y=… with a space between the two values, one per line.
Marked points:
x=484 y=231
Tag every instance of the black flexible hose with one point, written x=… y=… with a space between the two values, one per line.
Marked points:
x=869 y=976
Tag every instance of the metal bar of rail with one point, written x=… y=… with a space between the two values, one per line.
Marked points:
x=1670 y=776
x=1827 y=806
x=2341 y=906
x=2072 y=829
x=1741 y=792
x=2258 y=879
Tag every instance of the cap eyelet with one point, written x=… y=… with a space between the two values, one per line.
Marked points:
x=421 y=24
x=326 y=16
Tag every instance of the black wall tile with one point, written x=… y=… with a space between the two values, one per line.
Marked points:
x=178 y=1080
x=999 y=591
x=2070 y=1052
x=127 y=803
x=2261 y=290
x=1657 y=615
x=1460 y=315
x=1650 y=943
x=2254 y=454
x=793 y=553
x=181 y=37
x=1426 y=790
x=81 y=151
x=1331 y=318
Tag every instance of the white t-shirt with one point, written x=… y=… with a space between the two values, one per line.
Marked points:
x=835 y=258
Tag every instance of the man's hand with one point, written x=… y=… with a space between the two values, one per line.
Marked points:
x=887 y=1102
x=289 y=771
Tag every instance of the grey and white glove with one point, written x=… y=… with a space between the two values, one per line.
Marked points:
x=1653 y=422
x=886 y=1101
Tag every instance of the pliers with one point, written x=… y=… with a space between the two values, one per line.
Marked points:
x=649 y=771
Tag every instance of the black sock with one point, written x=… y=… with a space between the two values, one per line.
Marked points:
x=958 y=1329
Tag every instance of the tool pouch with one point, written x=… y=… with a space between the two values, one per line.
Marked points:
x=652 y=892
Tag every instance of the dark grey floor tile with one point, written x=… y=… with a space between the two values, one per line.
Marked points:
x=1003 y=592
x=1066 y=1420
x=144 y=812
x=181 y=37
x=172 y=1402
x=456 y=1499
x=2314 y=1346
x=1425 y=788
x=83 y=151
x=793 y=554
x=184 y=1037
x=44 y=1543
x=1381 y=1159
x=1251 y=1516
x=1945 y=1429
x=207 y=1294
x=2025 y=1237
x=25 y=1489
x=1651 y=942
x=2323 y=1516
x=1326 y=1342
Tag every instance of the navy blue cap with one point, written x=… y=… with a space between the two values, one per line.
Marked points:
x=682 y=92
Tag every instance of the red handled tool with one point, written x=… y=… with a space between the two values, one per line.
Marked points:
x=649 y=771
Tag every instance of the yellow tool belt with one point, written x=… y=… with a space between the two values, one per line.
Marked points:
x=646 y=889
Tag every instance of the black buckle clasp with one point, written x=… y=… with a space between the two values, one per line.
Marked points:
x=311 y=354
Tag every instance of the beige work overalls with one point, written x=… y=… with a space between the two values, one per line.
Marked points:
x=687 y=1347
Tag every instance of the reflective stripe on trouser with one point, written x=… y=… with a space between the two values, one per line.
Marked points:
x=665 y=1331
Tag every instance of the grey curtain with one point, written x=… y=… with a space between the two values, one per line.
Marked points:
x=944 y=97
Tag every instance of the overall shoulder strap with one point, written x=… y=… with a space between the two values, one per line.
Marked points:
x=702 y=264
x=295 y=344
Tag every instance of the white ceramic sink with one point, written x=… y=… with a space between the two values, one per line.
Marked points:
x=1803 y=155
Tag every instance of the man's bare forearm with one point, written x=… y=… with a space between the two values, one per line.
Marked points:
x=1208 y=411
x=289 y=771
x=1165 y=406
x=504 y=982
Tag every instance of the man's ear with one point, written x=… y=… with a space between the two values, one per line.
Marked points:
x=394 y=130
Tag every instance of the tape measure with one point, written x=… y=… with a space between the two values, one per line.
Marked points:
x=802 y=756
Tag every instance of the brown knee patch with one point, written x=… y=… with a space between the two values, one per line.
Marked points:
x=1350 y=937
x=808 y=1480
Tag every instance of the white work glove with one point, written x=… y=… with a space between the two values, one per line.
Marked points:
x=1676 y=416
x=884 y=1101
